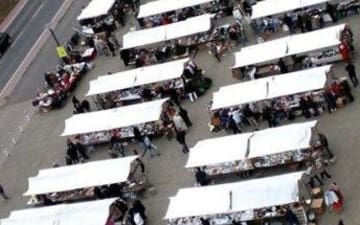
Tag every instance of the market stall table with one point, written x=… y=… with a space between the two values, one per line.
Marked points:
x=77 y=182
x=188 y=27
x=271 y=147
x=242 y=201
x=97 y=127
x=319 y=46
x=89 y=213
x=95 y=9
x=271 y=87
x=274 y=7
x=161 y=6
x=137 y=77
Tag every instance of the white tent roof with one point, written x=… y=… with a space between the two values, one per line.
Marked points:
x=256 y=144
x=235 y=197
x=163 y=6
x=80 y=176
x=85 y=213
x=290 y=45
x=191 y=26
x=273 y=7
x=113 y=118
x=270 y=87
x=96 y=8
x=137 y=77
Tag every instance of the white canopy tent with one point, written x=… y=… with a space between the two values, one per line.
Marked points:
x=86 y=213
x=251 y=145
x=270 y=87
x=191 y=26
x=163 y=6
x=137 y=77
x=287 y=46
x=274 y=7
x=235 y=197
x=114 y=118
x=84 y=175
x=95 y=9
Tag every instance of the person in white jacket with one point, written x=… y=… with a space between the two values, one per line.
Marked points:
x=179 y=123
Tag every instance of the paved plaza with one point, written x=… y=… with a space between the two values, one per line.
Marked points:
x=36 y=143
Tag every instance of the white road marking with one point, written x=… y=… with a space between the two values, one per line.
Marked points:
x=17 y=38
x=38 y=10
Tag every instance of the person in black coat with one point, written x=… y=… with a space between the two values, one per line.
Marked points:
x=282 y=65
x=125 y=56
x=184 y=115
x=139 y=208
x=180 y=137
x=350 y=68
x=82 y=150
x=72 y=153
x=291 y=218
x=201 y=177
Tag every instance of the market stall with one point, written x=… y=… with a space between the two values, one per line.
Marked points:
x=97 y=127
x=158 y=13
x=296 y=15
x=148 y=83
x=297 y=51
x=188 y=27
x=288 y=145
x=96 y=8
x=83 y=181
x=295 y=83
x=59 y=84
x=159 y=7
x=90 y=213
x=275 y=7
x=176 y=40
x=258 y=199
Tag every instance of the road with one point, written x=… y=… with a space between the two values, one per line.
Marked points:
x=46 y=60
x=25 y=31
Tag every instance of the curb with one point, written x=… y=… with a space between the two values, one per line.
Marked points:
x=12 y=15
x=33 y=52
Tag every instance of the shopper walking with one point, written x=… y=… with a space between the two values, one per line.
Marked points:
x=149 y=146
x=179 y=123
x=321 y=168
x=185 y=116
x=2 y=193
x=180 y=137
x=325 y=144
x=350 y=68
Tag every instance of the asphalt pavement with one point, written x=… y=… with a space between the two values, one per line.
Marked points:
x=33 y=79
x=25 y=31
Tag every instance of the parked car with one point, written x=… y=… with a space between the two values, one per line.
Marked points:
x=5 y=42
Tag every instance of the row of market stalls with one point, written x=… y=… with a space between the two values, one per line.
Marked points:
x=307 y=79
x=182 y=76
x=272 y=16
x=86 y=181
x=297 y=51
x=254 y=200
x=84 y=186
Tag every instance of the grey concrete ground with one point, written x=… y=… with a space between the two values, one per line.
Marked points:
x=39 y=144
